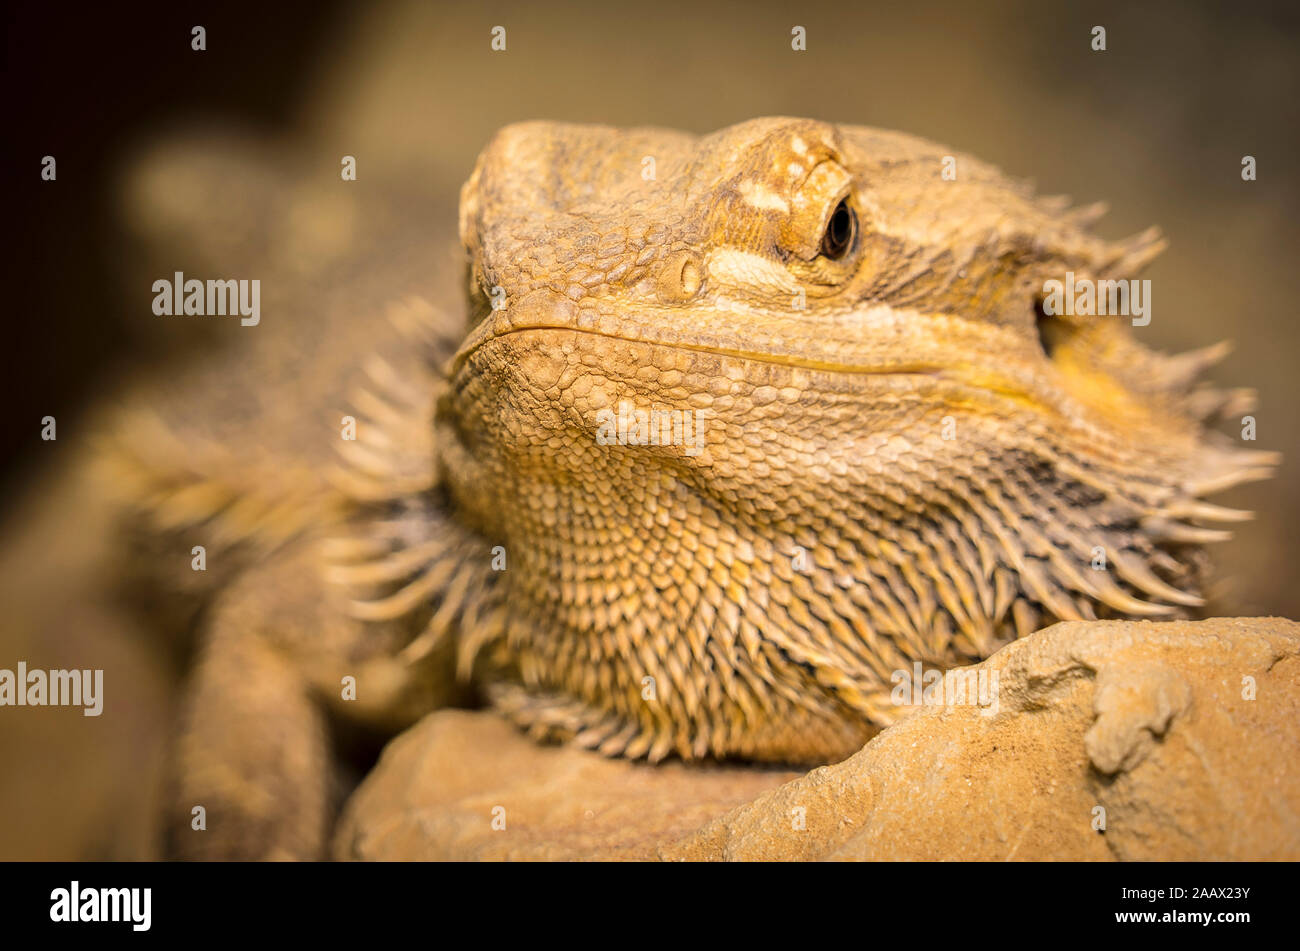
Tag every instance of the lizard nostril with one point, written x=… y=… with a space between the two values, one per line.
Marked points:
x=681 y=277
x=690 y=278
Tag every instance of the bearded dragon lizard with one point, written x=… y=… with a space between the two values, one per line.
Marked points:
x=896 y=457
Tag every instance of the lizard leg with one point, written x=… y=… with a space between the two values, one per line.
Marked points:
x=253 y=752
x=290 y=697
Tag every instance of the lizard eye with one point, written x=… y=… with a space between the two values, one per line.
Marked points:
x=840 y=231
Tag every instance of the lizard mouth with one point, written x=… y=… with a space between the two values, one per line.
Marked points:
x=753 y=356
x=965 y=363
x=970 y=378
x=964 y=369
x=540 y=313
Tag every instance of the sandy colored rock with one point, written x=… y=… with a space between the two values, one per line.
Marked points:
x=433 y=795
x=1145 y=720
x=1149 y=722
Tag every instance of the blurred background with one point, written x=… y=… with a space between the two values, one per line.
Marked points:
x=167 y=155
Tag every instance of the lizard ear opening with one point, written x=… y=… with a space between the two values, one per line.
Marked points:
x=1051 y=330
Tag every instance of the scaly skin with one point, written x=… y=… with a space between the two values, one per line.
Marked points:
x=901 y=458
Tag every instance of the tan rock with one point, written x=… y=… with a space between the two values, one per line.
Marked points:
x=1145 y=725
x=1146 y=721
x=436 y=790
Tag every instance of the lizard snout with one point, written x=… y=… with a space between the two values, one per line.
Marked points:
x=536 y=310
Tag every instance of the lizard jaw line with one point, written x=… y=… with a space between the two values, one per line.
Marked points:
x=997 y=387
x=477 y=341
x=1001 y=389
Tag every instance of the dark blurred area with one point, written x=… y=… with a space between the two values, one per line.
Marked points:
x=1156 y=125
x=89 y=87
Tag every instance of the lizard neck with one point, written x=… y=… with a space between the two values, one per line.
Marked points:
x=779 y=568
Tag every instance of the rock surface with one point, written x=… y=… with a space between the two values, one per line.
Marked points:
x=438 y=787
x=1149 y=728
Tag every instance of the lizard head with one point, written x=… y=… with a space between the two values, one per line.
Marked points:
x=814 y=380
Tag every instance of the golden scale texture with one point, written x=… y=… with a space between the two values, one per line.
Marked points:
x=899 y=457
x=753 y=599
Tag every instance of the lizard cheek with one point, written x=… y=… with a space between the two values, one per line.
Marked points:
x=680 y=278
